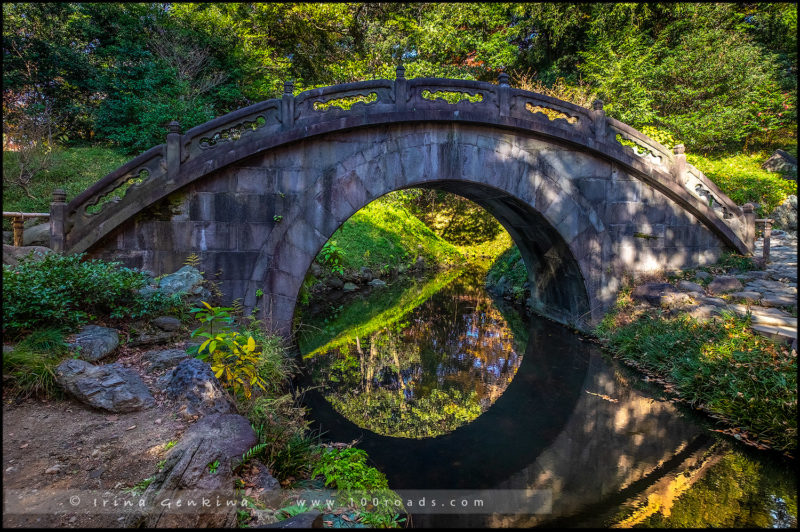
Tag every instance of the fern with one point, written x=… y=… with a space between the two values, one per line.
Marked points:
x=193 y=260
x=252 y=452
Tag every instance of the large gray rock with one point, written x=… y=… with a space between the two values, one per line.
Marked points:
x=194 y=385
x=785 y=214
x=218 y=439
x=725 y=283
x=161 y=359
x=110 y=387
x=12 y=254
x=38 y=235
x=186 y=280
x=688 y=286
x=94 y=342
x=781 y=162
x=167 y=323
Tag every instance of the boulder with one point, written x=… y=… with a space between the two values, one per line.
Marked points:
x=335 y=283
x=94 y=342
x=193 y=384
x=365 y=274
x=688 y=286
x=12 y=254
x=38 y=235
x=702 y=275
x=187 y=474
x=781 y=162
x=8 y=237
x=167 y=323
x=161 y=359
x=349 y=287
x=151 y=338
x=315 y=269
x=725 y=283
x=109 y=387
x=377 y=283
x=785 y=214
x=652 y=292
x=187 y=280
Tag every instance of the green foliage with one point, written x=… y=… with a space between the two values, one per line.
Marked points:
x=741 y=178
x=391 y=234
x=139 y=487
x=736 y=492
x=30 y=367
x=234 y=357
x=67 y=291
x=331 y=256
x=722 y=367
x=509 y=265
x=213 y=466
x=347 y=469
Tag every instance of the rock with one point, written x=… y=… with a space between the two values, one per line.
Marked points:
x=377 y=283
x=264 y=479
x=335 y=283
x=12 y=254
x=315 y=269
x=52 y=470
x=38 y=235
x=716 y=301
x=193 y=383
x=688 y=286
x=94 y=342
x=219 y=439
x=310 y=519
x=778 y=300
x=702 y=275
x=785 y=214
x=750 y=297
x=723 y=284
x=652 y=292
x=781 y=162
x=110 y=387
x=147 y=338
x=349 y=287
x=164 y=358
x=8 y=237
x=187 y=280
x=705 y=312
x=365 y=274
x=167 y=323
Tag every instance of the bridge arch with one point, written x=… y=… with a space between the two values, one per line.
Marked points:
x=256 y=193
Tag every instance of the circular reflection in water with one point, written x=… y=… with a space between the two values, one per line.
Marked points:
x=416 y=360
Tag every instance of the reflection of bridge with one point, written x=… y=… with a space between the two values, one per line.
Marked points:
x=257 y=192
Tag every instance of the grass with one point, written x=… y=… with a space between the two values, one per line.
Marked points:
x=29 y=370
x=73 y=169
x=741 y=178
x=721 y=367
x=386 y=235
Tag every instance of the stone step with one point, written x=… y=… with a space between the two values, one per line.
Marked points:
x=785 y=335
x=767 y=316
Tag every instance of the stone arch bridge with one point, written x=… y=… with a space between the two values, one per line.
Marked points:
x=256 y=193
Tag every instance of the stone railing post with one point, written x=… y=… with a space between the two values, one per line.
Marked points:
x=679 y=167
x=58 y=214
x=599 y=120
x=748 y=211
x=173 y=150
x=400 y=88
x=287 y=105
x=502 y=93
x=767 y=235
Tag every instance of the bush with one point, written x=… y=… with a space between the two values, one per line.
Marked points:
x=741 y=178
x=67 y=291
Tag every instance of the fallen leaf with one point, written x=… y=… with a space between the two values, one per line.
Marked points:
x=131 y=427
x=23 y=445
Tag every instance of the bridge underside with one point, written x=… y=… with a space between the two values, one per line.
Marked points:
x=581 y=221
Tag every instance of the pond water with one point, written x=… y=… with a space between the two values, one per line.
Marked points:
x=458 y=396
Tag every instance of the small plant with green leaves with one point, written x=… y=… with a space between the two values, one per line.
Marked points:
x=213 y=466
x=29 y=369
x=277 y=218
x=332 y=256
x=139 y=487
x=233 y=356
x=170 y=444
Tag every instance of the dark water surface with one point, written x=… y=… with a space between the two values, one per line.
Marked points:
x=448 y=389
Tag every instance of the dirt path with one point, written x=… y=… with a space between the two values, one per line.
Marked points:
x=91 y=449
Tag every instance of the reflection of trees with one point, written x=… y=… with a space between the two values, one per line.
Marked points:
x=428 y=372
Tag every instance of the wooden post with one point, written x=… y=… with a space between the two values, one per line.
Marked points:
x=748 y=211
x=17 y=224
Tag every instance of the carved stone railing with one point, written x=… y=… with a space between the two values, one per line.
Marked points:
x=203 y=149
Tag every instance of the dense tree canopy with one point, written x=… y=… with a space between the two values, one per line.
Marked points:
x=713 y=75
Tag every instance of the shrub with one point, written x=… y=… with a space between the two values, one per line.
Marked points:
x=741 y=178
x=67 y=291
